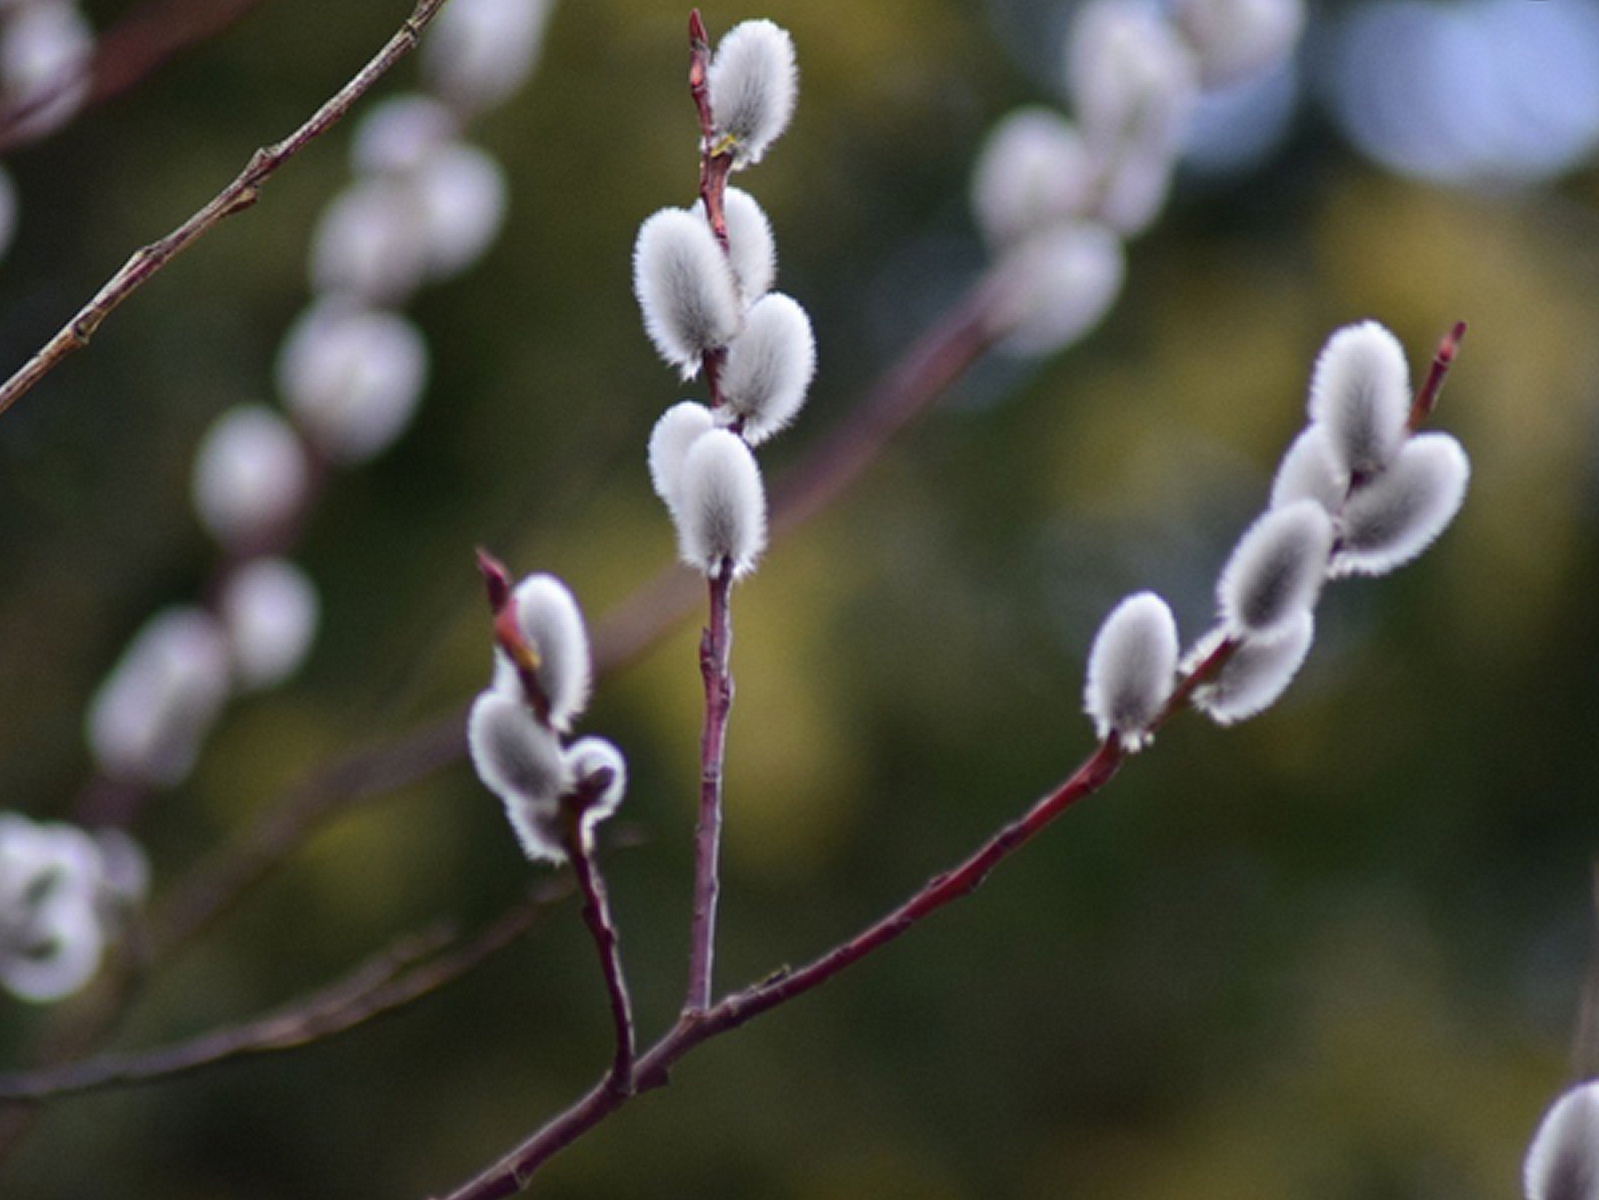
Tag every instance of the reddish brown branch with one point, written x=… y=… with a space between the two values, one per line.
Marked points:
x=715 y=647
x=1432 y=387
x=597 y=916
x=513 y=1172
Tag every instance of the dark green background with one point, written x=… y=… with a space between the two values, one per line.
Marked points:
x=1337 y=952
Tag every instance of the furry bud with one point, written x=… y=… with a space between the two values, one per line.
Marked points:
x=462 y=195
x=1238 y=38
x=552 y=626
x=520 y=761
x=1563 y=1160
x=1309 y=471
x=270 y=609
x=1132 y=79
x=1131 y=669
x=51 y=935
x=148 y=719
x=769 y=366
x=1056 y=286
x=751 y=248
x=589 y=755
x=478 y=52
x=1256 y=674
x=250 y=476
x=352 y=377
x=1276 y=570
x=398 y=134
x=753 y=83
x=721 y=513
x=1032 y=172
x=1393 y=518
x=685 y=288
x=371 y=242
x=679 y=428
x=1360 y=390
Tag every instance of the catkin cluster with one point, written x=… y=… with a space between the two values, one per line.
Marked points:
x=707 y=301
x=423 y=206
x=542 y=675
x=64 y=895
x=1055 y=198
x=1358 y=493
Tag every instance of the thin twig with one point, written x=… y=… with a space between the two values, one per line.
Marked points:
x=413 y=968
x=715 y=647
x=1432 y=387
x=236 y=197
x=513 y=1172
x=597 y=916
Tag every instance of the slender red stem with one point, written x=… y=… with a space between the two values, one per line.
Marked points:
x=597 y=916
x=513 y=1172
x=715 y=161
x=1427 y=395
x=715 y=646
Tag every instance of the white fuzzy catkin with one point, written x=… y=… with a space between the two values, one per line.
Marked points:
x=124 y=868
x=1237 y=38
x=769 y=366
x=270 y=609
x=371 y=242
x=462 y=193
x=521 y=762
x=552 y=625
x=1393 y=518
x=250 y=476
x=150 y=715
x=751 y=248
x=752 y=83
x=398 y=134
x=1256 y=675
x=352 y=377
x=1132 y=669
x=586 y=756
x=1563 y=1160
x=1360 y=390
x=1135 y=187
x=51 y=935
x=721 y=512
x=1056 y=286
x=1033 y=171
x=685 y=288
x=1309 y=471
x=679 y=428
x=1276 y=570
x=478 y=52
x=1131 y=78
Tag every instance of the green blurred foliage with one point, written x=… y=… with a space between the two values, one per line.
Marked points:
x=1337 y=952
